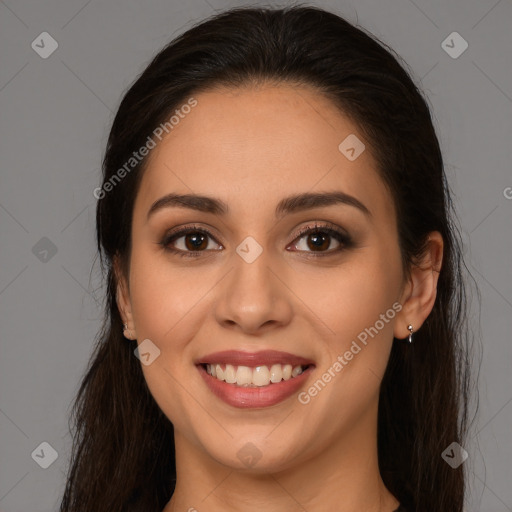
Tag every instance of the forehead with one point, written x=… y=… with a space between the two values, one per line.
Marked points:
x=251 y=146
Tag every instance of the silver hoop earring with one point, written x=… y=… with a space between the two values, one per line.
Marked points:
x=409 y=327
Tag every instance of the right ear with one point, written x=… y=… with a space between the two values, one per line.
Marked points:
x=123 y=294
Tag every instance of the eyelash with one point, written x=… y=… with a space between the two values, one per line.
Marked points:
x=330 y=229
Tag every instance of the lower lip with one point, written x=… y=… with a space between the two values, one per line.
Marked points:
x=248 y=397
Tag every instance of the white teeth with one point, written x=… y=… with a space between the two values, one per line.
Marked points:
x=261 y=376
x=276 y=373
x=296 y=371
x=253 y=377
x=230 y=374
x=243 y=376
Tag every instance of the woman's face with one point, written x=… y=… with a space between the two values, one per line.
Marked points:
x=321 y=302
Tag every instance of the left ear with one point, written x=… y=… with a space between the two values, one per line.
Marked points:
x=419 y=295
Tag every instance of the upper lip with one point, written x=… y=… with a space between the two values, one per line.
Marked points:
x=262 y=358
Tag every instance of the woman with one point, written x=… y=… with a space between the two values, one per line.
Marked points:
x=285 y=317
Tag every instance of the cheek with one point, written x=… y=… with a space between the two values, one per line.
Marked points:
x=343 y=301
x=358 y=308
x=161 y=294
x=163 y=300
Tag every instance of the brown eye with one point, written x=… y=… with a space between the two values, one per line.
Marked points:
x=318 y=241
x=322 y=239
x=188 y=242
x=195 y=241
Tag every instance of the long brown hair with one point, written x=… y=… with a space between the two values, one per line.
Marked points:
x=123 y=451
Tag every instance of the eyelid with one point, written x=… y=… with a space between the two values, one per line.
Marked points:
x=324 y=226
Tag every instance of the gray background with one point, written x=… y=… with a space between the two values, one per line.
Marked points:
x=55 y=116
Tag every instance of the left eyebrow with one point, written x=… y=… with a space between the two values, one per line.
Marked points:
x=291 y=204
x=310 y=200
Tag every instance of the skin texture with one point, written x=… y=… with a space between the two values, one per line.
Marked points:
x=252 y=147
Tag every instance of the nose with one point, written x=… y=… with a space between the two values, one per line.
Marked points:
x=254 y=297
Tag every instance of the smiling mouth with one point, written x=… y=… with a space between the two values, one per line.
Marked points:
x=254 y=377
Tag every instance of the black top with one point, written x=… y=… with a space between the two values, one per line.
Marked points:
x=400 y=509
